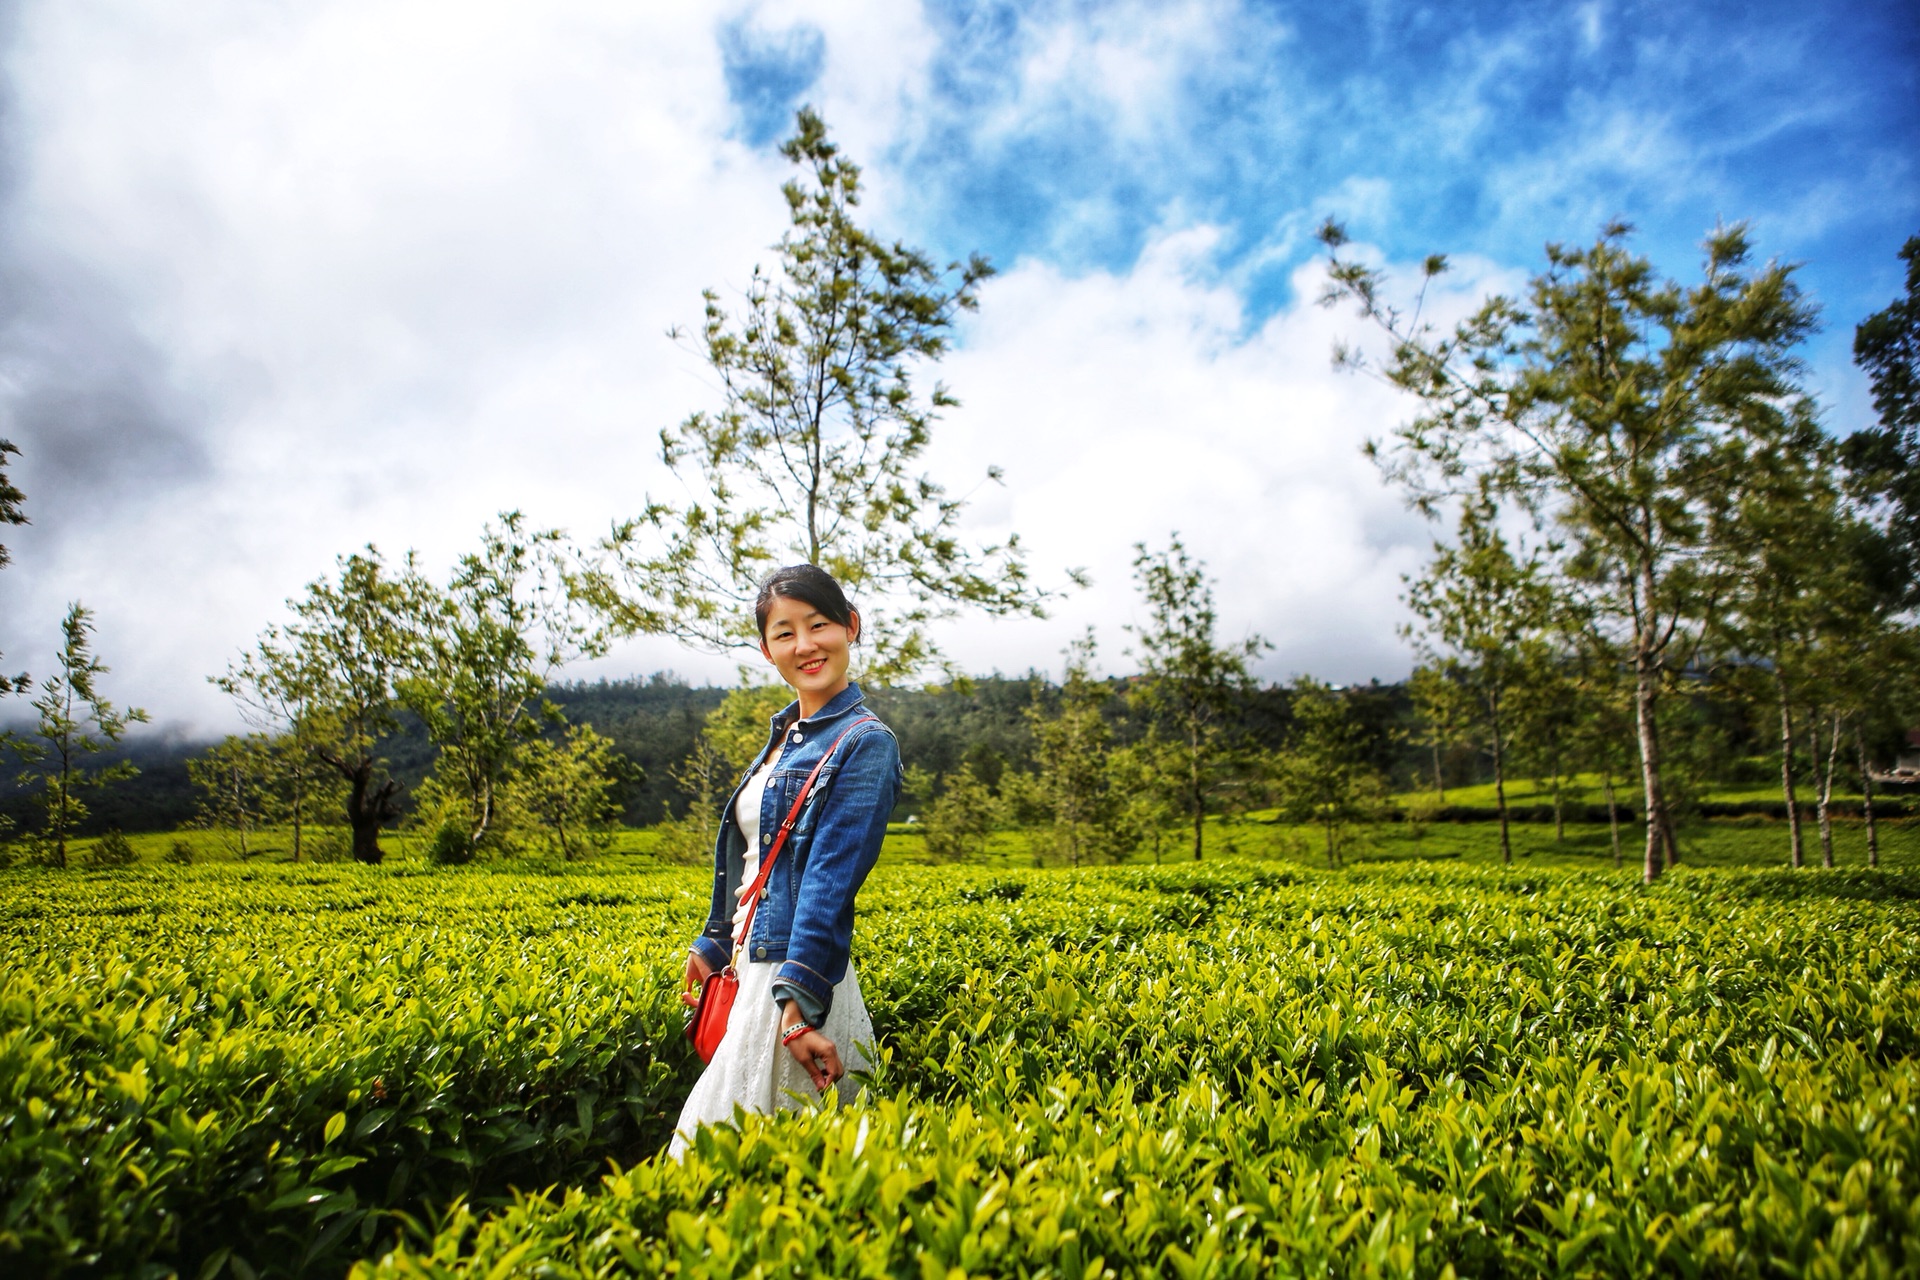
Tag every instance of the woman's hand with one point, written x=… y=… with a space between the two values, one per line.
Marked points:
x=697 y=973
x=812 y=1050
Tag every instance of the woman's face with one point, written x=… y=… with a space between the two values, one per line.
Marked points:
x=808 y=649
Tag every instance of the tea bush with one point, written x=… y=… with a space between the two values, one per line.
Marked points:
x=1228 y=1069
x=213 y=1064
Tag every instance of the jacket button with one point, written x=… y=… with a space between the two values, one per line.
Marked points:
x=767 y=839
x=763 y=894
x=759 y=953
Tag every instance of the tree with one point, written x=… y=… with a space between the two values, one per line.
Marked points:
x=485 y=651
x=1600 y=711
x=1189 y=683
x=1884 y=460
x=1445 y=716
x=233 y=782
x=1546 y=727
x=336 y=669
x=1071 y=749
x=730 y=741
x=1865 y=635
x=961 y=817
x=75 y=721
x=1620 y=406
x=1149 y=803
x=12 y=511
x=567 y=789
x=1483 y=615
x=1785 y=552
x=812 y=457
x=279 y=698
x=1323 y=775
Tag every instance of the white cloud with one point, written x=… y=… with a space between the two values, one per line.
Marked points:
x=1124 y=407
x=413 y=272
x=390 y=267
x=410 y=263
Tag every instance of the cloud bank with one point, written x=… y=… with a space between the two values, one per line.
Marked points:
x=282 y=281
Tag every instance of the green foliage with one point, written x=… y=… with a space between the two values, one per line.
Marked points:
x=957 y=822
x=1323 y=776
x=111 y=850
x=1382 y=1072
x=272 y=1063
x=1885 y=458
x=1074 y=776
x=730 y=741
x=12 y=501
x=233 y=780
x=812 y=457
x=178 y=854
x=486 y=648
x=332 y=678
x=1628 y=410
x=1484 y=617
x=1189 y=682
x=737 y=729
x=75 y=721
x=263 y=1063
x=451 y=845
x=331 y=844
x=567 y=790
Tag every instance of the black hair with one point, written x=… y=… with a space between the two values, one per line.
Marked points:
x=809 y=584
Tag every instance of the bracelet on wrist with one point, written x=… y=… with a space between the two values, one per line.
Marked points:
x=795 y=1031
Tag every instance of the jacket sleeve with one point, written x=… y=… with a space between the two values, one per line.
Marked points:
x=845 y=843
x=715 y=941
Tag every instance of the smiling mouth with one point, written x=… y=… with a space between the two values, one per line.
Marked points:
x=808 y=668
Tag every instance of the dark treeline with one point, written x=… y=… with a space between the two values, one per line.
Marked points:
x=654 y=721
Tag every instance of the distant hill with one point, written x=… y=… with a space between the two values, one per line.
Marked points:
x=653 y=721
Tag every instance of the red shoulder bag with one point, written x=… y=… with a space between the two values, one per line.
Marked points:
x=708 y=1024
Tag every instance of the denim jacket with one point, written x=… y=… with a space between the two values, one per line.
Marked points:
x=805 y=917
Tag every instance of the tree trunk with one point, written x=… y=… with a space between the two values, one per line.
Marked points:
x=1559 y=806
x=299 y=795
x=1439 y=779
x=1786 y=765
x=240 y=811
x=1613 y=819
x=1500 y=786
x=368 y=808
x=1646 y=705
x=1826 y=793
x=1199 y=798
x=1866 y=796
x=59 y=814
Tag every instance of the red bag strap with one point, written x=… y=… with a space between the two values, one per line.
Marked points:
x=786 y=828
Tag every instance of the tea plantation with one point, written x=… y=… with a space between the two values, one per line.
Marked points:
x=1227 y=1069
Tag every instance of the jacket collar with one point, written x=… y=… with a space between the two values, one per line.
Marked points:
x=841 y=703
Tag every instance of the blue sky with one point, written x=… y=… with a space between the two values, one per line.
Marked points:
x=1461 y=128
x=282 y=281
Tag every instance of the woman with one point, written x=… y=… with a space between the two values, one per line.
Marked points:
x=797 y=1019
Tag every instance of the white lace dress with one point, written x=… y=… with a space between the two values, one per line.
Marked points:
x=752 y=1070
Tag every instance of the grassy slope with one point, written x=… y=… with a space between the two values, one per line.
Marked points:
x=1725 y=842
